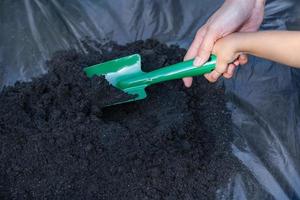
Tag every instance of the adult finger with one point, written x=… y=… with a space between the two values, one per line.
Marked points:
x=188 y=81
x=192 y=52
x=206 y=47
x=194 y=47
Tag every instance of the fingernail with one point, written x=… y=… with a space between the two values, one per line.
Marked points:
x=198 y=61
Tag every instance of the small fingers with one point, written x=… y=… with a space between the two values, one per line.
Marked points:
x=220 y=69
x=230 y=70
x=213 y=76
x=236 y=62
x=243 y=59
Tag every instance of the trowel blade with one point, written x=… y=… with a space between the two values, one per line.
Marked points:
x=118 y=70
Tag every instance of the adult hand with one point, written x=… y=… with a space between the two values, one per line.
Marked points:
x=233 y=16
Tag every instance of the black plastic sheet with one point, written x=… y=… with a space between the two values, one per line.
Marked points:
x=263 y=96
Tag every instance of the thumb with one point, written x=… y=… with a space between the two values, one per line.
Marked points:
x=206 y=48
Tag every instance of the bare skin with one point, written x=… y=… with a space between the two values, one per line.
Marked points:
x=278 y=46
x=232 y=16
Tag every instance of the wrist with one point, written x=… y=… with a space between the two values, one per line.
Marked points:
x=243 y=42
x=235 y=42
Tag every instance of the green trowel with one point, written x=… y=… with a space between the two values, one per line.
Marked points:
x=126 y=74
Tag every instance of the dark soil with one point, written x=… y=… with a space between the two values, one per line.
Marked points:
x=56 y=141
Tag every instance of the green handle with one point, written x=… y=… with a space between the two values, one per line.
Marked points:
x=176 y=71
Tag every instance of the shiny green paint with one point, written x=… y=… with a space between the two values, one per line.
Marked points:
x=126 y=74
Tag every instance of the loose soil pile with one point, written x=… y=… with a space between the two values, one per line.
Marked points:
x=57 y=142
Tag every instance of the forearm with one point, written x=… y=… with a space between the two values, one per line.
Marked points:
x=279 y=46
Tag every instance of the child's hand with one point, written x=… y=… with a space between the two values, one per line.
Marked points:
x=228 y=57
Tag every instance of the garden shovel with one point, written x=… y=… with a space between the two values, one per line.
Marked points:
x=126 y=74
